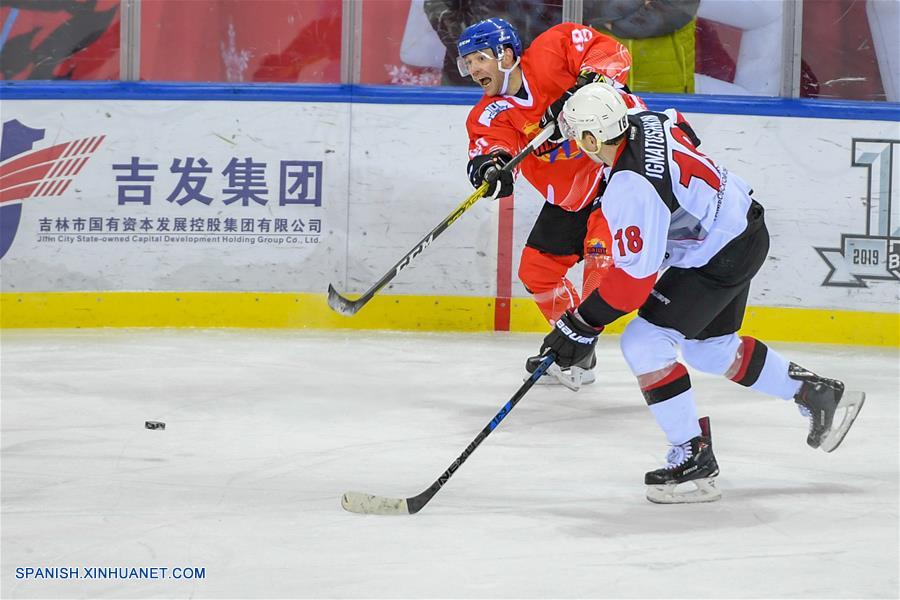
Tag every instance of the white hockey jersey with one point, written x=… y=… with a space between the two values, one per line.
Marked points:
x=666 y=204
x=664 y=192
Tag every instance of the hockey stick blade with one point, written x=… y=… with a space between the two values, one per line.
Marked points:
x=341 y=305
x=367 y=504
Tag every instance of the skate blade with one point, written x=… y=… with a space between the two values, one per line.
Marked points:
x=705 y=490
x=572 y=379
x=851 y=403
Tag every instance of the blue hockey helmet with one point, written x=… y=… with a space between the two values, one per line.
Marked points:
x=494 y=34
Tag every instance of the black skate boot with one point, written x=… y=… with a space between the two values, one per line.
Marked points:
x=581 y=373
x=690 y=462
x=819 y=399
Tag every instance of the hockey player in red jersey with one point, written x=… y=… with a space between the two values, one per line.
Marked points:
x=523 y=92
x=668 y=206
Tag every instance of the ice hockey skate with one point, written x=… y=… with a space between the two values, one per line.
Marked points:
x=820 y=399
x=692 y=462
x=573 y=378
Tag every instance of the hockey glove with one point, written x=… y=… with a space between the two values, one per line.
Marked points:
x=553 y=111
x=487 y=168
x=571 y=340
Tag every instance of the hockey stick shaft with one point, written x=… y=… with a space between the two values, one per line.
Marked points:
x=348 y=307
x=365 y=503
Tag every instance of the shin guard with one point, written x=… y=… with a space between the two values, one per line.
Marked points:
x=544 y=276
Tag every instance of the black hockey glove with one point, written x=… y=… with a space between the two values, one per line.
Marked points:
x=553 y=111
x=571 y=340
x=487 y=168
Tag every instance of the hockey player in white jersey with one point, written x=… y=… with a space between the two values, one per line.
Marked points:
x=667 y=207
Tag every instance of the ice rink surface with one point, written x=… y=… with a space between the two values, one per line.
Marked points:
x=266 y=429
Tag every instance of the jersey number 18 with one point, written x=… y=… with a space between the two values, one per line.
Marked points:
x=632 y=238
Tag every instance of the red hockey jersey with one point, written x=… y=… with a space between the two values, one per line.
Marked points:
x=550 y=66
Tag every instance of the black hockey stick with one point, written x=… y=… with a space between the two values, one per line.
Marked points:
x=359 y=502
x=348 y=307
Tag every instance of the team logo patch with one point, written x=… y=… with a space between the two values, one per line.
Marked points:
x=875 y=254
x=596 y=247
x=552 y=151
x=492 y=110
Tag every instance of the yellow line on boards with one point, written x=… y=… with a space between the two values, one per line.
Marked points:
x=239 y=309
x=411 y=313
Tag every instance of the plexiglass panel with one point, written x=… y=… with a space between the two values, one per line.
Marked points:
x=59 y=39
x=851 y=49
x=413 y=42
x=740 y=47
x=659 y=35
x=288 y=41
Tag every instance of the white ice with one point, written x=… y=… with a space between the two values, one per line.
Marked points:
x=266 y=429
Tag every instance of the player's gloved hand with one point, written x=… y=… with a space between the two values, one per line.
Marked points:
x=571 y=340
x=553 y=111
x=486 y=167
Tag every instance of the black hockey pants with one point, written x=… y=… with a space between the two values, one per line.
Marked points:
x=709 y=301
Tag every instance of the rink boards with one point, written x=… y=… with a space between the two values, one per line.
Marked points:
x=190 y=210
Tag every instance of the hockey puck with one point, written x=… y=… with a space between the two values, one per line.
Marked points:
x=154 y=425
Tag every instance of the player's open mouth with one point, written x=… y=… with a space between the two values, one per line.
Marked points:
x=485 y=81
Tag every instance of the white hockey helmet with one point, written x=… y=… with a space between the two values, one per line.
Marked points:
x=596 y=108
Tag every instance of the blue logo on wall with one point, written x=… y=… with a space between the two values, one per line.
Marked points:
x=26 y=172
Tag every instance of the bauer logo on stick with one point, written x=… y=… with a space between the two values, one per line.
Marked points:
x=154 y=425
